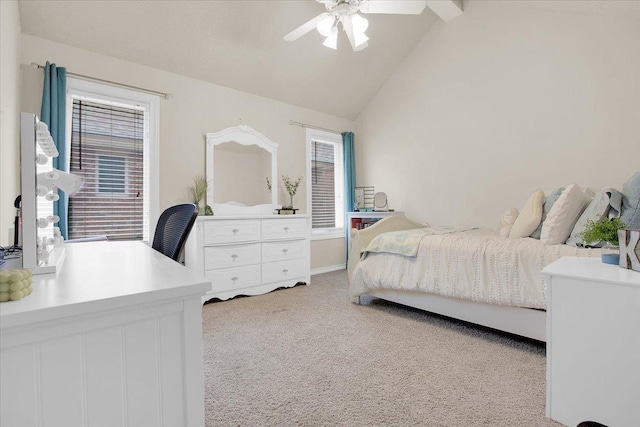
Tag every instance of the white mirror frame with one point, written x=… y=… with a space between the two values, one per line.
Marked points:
x=380 y=202
x=244 y=135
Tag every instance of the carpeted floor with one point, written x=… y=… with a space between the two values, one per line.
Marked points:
x=306 y=356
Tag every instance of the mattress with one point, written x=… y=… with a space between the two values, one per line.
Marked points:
x=476 y=265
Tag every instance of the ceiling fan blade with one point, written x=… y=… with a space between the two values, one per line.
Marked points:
x=401 y=7
x=358 y=42
x=363 y=46
x=348 y=28
x=304 y=28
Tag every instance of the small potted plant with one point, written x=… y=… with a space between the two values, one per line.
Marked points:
x=292 y=189
x=198 y=191
x=605 y=230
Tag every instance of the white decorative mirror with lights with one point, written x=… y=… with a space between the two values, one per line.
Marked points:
x=240 y=164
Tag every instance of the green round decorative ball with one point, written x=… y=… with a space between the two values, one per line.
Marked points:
x=15 y=284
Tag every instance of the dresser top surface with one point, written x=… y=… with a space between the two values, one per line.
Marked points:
x=240 y=217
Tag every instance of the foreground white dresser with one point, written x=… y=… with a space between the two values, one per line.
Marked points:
x=250 y=255
x=114 y=339
x=593 y=343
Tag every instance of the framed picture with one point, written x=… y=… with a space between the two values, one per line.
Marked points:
x=360 y=198
x=364 y=198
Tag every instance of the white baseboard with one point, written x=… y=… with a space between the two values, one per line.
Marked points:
x=328 y=269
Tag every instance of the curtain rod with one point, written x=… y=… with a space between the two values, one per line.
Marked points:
x=95 y=79
x=304 y=125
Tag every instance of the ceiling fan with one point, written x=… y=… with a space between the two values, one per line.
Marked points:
x=353 y=24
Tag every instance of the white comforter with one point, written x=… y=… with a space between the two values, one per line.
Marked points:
x=478 y=265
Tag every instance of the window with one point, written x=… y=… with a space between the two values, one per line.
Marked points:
x=111 y=174
x=111 y=135
x=325 y=172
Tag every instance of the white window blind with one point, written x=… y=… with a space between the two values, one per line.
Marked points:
x=322 y=185
x=107 y=150
x=326 y=185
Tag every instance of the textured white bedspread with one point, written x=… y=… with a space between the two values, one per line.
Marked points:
x=478 y=265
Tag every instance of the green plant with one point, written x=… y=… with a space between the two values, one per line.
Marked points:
x=605 y=230
x=198 y=190
x=268 y=184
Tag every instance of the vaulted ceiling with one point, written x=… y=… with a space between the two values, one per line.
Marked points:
x=237 y=44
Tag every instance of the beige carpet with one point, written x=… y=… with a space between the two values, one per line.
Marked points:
x=306 y=356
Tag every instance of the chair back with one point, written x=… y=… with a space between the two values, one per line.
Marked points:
x=174 y=226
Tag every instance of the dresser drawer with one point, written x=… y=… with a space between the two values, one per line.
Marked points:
x=229 y=279
x=294 y=228
x=285 y=270
x=231 y=256
x=284 y=250
x=231 y=231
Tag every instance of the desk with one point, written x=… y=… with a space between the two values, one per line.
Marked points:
x=114 y=338
x=593 y=351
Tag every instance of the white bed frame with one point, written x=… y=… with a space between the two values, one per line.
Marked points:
x=526 y=322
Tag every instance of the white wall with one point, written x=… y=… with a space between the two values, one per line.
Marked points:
x=197 y=107
x=498 y=102
x=9 y=116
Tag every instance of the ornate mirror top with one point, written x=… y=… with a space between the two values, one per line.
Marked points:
x=239 y=161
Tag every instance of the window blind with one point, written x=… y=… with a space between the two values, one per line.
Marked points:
x=107 y=150
x=323 y=195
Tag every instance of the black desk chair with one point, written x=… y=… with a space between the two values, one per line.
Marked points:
x=174 y=226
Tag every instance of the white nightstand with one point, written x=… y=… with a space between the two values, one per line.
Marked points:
x=593 y=343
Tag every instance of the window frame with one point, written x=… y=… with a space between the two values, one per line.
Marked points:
x=336 y=139
x=94 y=91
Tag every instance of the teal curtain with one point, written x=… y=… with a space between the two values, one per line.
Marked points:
x=53 y=113
x=349 y=178
x=349 y=170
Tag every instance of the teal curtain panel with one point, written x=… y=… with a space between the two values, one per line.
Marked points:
x=53 y=113
x=348 y=143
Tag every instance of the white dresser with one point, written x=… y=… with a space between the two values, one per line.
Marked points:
x=250 y=255
x=593 y=344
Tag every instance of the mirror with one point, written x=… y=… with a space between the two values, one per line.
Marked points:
x=380 y=202
x=239 y=159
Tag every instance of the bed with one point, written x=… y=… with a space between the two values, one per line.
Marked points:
x=472 y=275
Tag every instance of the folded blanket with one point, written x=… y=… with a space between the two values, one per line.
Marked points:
x=406 y=242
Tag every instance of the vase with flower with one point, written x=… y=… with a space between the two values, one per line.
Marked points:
x=292 y=188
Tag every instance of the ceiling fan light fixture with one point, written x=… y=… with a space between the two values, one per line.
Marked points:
x=348 y=13
x=359 y=24
x=325 y=25
x=332 y=39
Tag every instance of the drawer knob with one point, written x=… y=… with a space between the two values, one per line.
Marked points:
x=235 y=230
x=285 y=250
x=285 y=271
x=286 y=229
x=234 y=256
x=234 y=278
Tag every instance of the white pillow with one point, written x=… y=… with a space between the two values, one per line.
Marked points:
x=563 y=215
x=530 y=216
x=508 y=219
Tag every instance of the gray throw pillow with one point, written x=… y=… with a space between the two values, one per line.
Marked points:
x=606 y=201
x=631 y=202
x=549 y=201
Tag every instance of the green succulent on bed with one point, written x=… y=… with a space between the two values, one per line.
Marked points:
x=605 y=230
